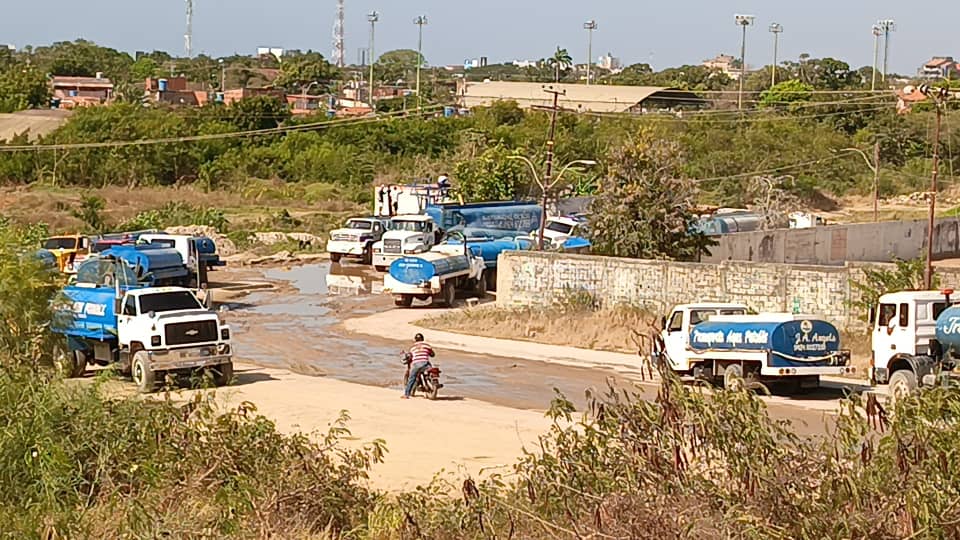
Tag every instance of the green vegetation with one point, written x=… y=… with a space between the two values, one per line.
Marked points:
x=905 y=275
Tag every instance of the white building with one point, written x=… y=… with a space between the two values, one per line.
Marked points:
x=609 y=62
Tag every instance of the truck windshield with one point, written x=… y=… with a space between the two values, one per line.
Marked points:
x=104 y=272
x=413 y=226
x=60 y=243
x=359 y=224
x=561 y=228
x=169 y=301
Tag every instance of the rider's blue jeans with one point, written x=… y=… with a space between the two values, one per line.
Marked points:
x=415 y=371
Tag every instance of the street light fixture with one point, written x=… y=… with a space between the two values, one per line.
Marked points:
x=546 y=187
x=420 y=22
x=886 y=26
x=743 y=21
x=372 y=18
x=590 y=26
x=776 y=29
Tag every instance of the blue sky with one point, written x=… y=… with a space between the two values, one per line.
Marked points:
x=663 y=33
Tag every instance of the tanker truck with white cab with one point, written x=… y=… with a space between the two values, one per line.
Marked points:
x=356 y=239
x=915 y=339
x=110 y=316
x=722 y=343
x=437 y=274
x=407 y=235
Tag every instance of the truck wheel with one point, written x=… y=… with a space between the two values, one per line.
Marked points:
x=404 y=300
x=367 y=255
x=223 y=374
x=903 y=384
x=491 y=277
x=448 y=294
x=733 y=378
x=334 y=258
x=143 y=377
x=69 y=364
x=480 y=286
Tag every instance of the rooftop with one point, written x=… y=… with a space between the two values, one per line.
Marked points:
x=86 y=82
x=596 y=98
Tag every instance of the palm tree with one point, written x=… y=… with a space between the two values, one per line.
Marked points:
x=561 y=61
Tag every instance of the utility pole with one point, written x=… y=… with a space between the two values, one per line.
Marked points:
x=419 y=21
x=550 y=143
x=876 y=181
x=928 y=271
x=775 y=29
x=188 y=36
x=373 y=17
x=887 y=26
x=877 y=32
x=743 y=21
x=590 y=26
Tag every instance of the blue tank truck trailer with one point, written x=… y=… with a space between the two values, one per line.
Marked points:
x=437 y=274
x=115 y=314
x=722 y=343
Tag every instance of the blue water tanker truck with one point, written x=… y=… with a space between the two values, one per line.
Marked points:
x=436 y=274
x=154 y=265
x=110 y=315
x=721 y=343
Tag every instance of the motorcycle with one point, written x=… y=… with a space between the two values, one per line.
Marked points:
x=428 y=381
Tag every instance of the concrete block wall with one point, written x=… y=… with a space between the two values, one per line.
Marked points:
x=527 y=278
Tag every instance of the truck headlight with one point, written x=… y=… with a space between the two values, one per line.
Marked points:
x=154 y=341
x=225 y=334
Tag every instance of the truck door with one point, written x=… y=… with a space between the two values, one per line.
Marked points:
x=675 y=342
x=125 y=319
x=890 y=333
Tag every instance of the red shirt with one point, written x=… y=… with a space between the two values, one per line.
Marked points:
x=420 y=353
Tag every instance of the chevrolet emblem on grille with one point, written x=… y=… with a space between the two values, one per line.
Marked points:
x=192 y=332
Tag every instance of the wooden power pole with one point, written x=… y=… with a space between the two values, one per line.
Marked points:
x=547 y=178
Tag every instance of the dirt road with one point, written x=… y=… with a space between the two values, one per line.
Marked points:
x=321 y=341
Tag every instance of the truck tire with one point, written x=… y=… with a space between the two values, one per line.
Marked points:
x=733 y=378
x=480 y=286
x=223 y=374
x=334 y=258
x=367 y=255
x=491 y=276
x=403 y=300
x=143 y=377
x=903 y=383
x=448 y=294
x=69 y=364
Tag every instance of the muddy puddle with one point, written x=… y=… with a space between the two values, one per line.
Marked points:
x=297 y=327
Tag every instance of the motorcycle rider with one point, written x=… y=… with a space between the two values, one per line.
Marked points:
x=419 y=359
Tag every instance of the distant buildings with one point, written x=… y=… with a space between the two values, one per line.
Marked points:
x=72 y=92
x=610 y=63
x=598 y=98
x=724 y=63
x=475 y=63
x=939 y=67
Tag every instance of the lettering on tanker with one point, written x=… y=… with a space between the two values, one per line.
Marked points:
x=952 y=326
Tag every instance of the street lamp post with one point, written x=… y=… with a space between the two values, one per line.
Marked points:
x=372 y=17
x=877 y=32
x=743 y=21
x=590 y=26
x=886 y=26
x=775 y=29
x=547 y=185
x=419 y=21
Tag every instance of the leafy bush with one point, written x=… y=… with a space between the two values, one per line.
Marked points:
x=906 y=275
x=175 y=214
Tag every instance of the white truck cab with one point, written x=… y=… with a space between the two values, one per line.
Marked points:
x=676 y=329
x=356 y=239
x=408 y=235
x=902 y=326
x=558 y=230
x=186 y=245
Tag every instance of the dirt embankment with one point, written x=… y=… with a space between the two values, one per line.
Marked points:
x=614 y=329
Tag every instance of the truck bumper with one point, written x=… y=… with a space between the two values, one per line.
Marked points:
x=385 y=259
x=190 y=358
x=347 y=249
x=802 y=371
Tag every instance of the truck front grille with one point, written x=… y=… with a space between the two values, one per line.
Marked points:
x=391 y=246
x=345 y=238
x=191 y=332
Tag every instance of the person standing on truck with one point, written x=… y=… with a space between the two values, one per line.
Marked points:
x=443 y=183
x=419 y=358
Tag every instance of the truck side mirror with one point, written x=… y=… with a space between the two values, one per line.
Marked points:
x=872 y=315
x=663 y=324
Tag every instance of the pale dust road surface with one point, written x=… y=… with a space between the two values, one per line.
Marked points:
x=323 y=340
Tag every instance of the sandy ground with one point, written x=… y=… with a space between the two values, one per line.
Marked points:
x=422 y=436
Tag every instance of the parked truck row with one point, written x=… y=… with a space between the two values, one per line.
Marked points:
x=915 y=342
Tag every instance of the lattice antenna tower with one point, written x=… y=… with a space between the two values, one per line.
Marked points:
x=339 y=56
x=188 y=37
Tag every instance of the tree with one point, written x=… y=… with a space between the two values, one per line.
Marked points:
x=22 y=86
x=644 y=209
x=830 y=74
x=491 y=176
x=561 y=62
x=394 y=66
x=633 y=75
x=82 y=58
x=299 y=71
x=786 y=93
